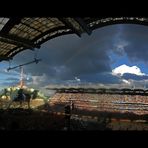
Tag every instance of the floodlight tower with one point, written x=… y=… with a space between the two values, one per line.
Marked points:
x=21 y=77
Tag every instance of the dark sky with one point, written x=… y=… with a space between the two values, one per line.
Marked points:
x=70 y=60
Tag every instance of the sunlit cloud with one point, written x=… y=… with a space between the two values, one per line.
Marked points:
x=127 y=69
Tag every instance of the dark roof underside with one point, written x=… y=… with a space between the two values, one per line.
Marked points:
x=20 y=33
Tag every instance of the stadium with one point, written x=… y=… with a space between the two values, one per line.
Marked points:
x=68 y=86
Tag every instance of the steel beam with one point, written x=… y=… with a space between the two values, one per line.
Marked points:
x=83 y=25
x=4 y=58
x=70 y=25
x=8 y=38
x=34 y=61
x=10 y=24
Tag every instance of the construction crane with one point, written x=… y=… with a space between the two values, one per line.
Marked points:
x=34 y=61
x=21 y=78
x=21 y=84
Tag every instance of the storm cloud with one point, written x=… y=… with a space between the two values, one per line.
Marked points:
x=69 y=56
x=128 y=76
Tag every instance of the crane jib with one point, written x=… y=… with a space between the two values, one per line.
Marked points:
x=34 y=61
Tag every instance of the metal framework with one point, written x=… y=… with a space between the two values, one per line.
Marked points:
x=34 y=61
x=21 y=33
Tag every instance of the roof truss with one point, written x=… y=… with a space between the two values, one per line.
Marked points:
x=21 y=33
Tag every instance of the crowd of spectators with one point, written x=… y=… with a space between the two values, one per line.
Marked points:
x=104 y=102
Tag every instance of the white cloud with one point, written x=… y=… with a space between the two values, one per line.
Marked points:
x=77 y=79
x=127 y=69
x=126 y=81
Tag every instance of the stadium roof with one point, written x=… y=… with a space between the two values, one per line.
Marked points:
x=20 y=33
